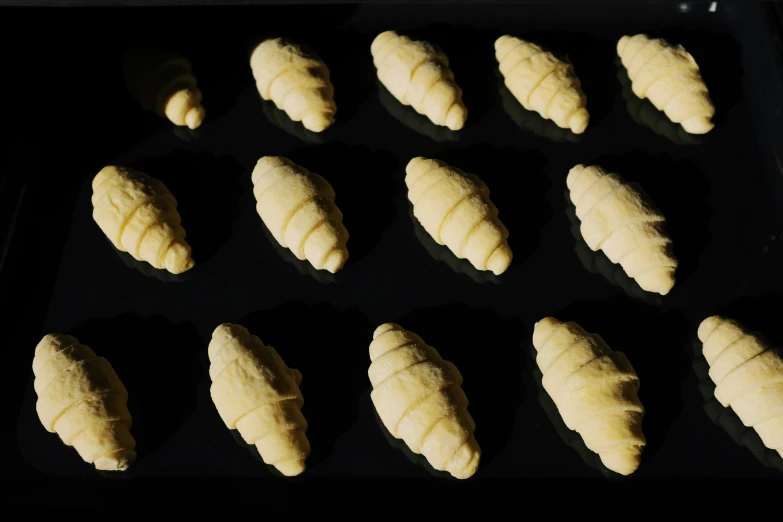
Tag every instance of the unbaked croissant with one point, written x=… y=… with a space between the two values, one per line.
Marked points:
x=595 y=390
x=139 y=216
x=162 y=81
x=419 y=398
x=542 y=83
x=668 y=75
x=418 y=75
x=748 y=374
x=296 y=81
x=257 y=394
x=81 y=398
x=455 y=209
x=619 y=220
x=297 y=206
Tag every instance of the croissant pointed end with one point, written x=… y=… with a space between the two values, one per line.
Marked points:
x=178 y=258
x=336 y=260
x=501 y=41
x=465 y=463
x=500 y=259
x=456 y=117
x=318 y=121
x=621 y=43
x=118 y=461
x=660 y=281
x=291 y=468
x=385 y=328
x=194 y=117
x=707 y=326
x=698 y=125
x=623 y=462
x=542 y=330
x=578 y=122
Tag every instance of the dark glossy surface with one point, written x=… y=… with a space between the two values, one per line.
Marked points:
x=720 y=193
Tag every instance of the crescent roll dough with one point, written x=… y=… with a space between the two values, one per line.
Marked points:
x=418 y=75
x=162 y=81
x=594 y=389
x=454 y=208
x=256 y=393
x=668 y=75
x=81 y=398
x=419 y=398
x=297 y=82
x=542 y=83
x=139 y=216
x=748 y=375
x=619 y=220
x=297 y=206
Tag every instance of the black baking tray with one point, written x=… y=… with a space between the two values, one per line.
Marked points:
x=68 y=115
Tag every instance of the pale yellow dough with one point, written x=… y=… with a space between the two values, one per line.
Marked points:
x=81 y=398
x=162 y=81
x=418 y=75
x=617 y=219
x=454 y=208
x=542 y=83
x=257 y=394
x=419 y=398
x=594 y=389
x=668 y=75
x=297 y=206
x=297 y=82
x=748 y=374
x=139 y=216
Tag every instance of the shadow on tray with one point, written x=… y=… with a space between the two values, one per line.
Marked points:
x=158 y=362
x=313 y=340
x=413 y=120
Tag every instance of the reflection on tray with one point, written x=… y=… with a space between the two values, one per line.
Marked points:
x=251 y=448
x=413 y=120
x=281 y=120
x=399 y=444
x=303 y=266
x=442 y=253
x=186 y=134
x=727 y=419
x=530 y=121
x=597 y=263
x=570 y=437
x=644 y=113
x=148 y=270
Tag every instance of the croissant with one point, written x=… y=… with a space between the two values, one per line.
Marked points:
x=455 y=209
x=419 y=398
x=257 y=394
x=81 y=398
x=418 y=75
x=542 y=83
x=668 y=75
x=297 y=206
x=595 y=390
x=139 y=216
x=297 y=82
x=162 y=81
x=748 y=374
x=619 y=220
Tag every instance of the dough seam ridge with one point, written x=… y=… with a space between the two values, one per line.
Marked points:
x=300 y=248
x=687 y=90
x=256 y=406
x=118 y=180
x=508 y=53
x=293 y=212
x=473 y=229
x=422 y=399
x=620 y=409
x=69 y=369
x=51 y=355
x=129 y=215
x=603 y=198
x=398 y=40
x=413 y=72
x=420 y=178
x=142 y=236
x=657 y=264
x=548 y=337
x=274 y=429
x=559 y=65
x=233 y=339
x=640 y=49
x=448 y=462
x=426 y=434
x=451 y=212
x=409 y=343
x=450 y=174
x=580 y=367
x=678 y=67
x=657 y=241
x=552 y=100
x=637 y=221
x=642 y=66
x=407 y=368
x=495 y=249
x=578 y=340
x=743 y=363
x=335 y=248
x=273 y=80
x=605 y=174
x=738 y=339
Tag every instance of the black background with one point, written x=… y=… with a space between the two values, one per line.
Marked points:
x=68 y=115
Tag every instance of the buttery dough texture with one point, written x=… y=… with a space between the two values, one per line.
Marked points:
x=595 y=390
x=542 y=83
x=162 y=81
x=617 y=219
x=297 y=206
x=81 y=398
x=297 y=82
x=418 y=75
x=139 y=216
x=668 y=75
x=748 y=375
x=454 y=208
x=419 y=398
x=256 y=393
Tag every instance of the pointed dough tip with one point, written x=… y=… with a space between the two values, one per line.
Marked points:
x=385 y=328
x=119 y=461
x=291 y=468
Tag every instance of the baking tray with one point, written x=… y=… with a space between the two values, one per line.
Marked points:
x=721 y=193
